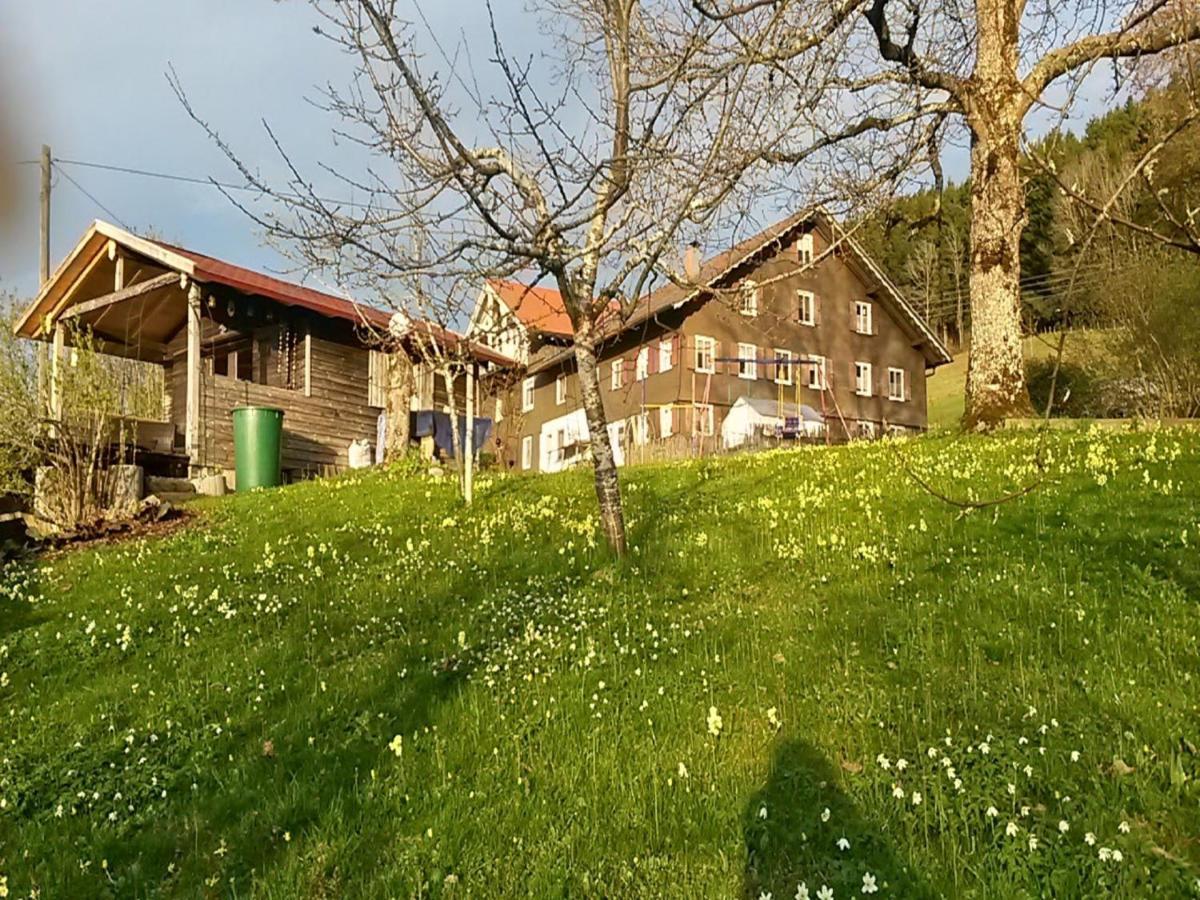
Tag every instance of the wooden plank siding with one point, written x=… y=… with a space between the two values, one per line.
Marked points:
x=319 y=423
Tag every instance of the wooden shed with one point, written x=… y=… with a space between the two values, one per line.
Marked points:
x=227 y=336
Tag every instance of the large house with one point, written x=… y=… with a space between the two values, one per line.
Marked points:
x=227 y=336
x=796 y=320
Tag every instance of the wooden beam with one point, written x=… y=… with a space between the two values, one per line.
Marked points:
x=192 y=430
x=129 y=293
x=70 y=291
x=307 y=359
x=146 y=351
x=56 y=364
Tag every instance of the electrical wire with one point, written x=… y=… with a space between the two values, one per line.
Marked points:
x=79 y=187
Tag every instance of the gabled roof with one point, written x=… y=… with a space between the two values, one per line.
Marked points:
x=56 y=294
x=537 y=308
x=716 y=270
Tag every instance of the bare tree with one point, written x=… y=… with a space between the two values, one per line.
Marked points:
x=987 y=63
x=655 y=121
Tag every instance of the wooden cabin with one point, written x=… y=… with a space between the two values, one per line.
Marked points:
x=226 y=337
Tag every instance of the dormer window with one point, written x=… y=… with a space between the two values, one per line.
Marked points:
x=804 y=249
x=749 y=298
x=862 y=317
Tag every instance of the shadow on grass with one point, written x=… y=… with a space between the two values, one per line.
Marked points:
x=790 y=843
x=18 y=581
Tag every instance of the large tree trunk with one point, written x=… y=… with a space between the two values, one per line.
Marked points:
x=995 y=370
x=608 y=486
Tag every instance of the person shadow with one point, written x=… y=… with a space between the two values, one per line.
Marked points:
x=792 y=840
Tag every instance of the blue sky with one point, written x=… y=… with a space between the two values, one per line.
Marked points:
x=89 y=79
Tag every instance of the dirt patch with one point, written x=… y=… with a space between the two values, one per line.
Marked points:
x=167 y=520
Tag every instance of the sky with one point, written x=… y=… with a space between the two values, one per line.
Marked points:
x=90 y=80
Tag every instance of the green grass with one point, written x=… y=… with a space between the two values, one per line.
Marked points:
x=946 y=387
x=357 y=688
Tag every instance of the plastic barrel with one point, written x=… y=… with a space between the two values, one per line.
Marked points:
x=257 y=446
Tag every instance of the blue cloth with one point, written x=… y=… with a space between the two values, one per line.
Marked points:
x=428 y=421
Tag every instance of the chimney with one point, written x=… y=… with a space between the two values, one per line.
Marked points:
x=691 y=262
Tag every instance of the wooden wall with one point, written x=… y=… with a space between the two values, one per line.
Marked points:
x=317 y=428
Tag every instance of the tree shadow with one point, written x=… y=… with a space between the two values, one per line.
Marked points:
x=791 y=840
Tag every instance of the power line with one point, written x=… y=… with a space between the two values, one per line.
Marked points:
x=79 y=187
x=224 y=185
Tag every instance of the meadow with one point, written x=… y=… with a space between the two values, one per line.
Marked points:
x=810 y=678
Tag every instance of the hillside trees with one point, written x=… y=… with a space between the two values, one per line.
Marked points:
x=988 y=63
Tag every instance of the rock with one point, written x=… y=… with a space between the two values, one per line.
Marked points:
x=158 y=485
x=211 y=486
x=128 y=486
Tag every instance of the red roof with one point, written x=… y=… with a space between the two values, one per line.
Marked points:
x=286 y=292
x=537 y=308
x=209 y=269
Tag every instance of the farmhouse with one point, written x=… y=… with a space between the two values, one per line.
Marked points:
x=797 y=317
x=227 y=336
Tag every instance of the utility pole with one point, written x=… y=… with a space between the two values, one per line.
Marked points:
x=43 y=358
x=45 y=242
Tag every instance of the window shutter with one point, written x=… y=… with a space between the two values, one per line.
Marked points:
x=676 y=354
x=816 y=309
x=652 y=358
x=881 y=385
x=907 y=388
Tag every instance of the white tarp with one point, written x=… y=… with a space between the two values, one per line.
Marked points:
x=753 y=415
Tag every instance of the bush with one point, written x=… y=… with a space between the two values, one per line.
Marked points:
x=1078 y=392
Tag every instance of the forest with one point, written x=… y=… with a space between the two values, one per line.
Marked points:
x=1122 y=287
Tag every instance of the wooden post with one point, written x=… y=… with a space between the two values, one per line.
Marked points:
x=469 y=443
x=307 y=359
x=44 y=269
x=192 y=431
x=44 y=363
x=56 y=362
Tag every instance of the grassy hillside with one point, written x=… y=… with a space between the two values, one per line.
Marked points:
x=356 y=688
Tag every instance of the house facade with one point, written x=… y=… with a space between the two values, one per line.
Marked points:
x=797 y=317
x=226 y=336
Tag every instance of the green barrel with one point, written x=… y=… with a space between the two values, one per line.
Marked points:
x=257 y=446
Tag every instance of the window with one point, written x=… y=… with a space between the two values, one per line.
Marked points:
x=618 y=374
x=665 y=360
x=896 y=384
x=815 y=371
x=747 y=361
x=560 y=390
x=664 y=421
x=806 y=308
x=527 y=395
x=862 y=317
x=527 y=451
x=706 y=354
x=234 y=362
x=704 y=419
x=640 y=426
x=866 y=430
x=642 y=367
x=377 y=366
x=749 y=298
x=783 y=366
x=804 y=249
x=499 y=409
x=862 y=379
